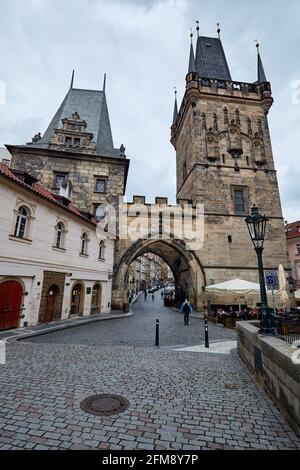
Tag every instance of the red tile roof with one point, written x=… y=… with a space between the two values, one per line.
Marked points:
x=293 y=230
x=39 y=190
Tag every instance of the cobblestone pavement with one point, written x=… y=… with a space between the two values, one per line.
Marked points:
x=140 y=329
x=178 y=400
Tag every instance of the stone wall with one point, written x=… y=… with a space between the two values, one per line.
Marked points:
x=270 y=359
x=81 y=170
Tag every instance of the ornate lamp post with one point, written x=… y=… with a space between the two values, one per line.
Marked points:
x=257 y=224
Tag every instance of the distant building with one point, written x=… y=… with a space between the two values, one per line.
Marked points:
x=293 y=242
x=148 y=271
x=52 y=264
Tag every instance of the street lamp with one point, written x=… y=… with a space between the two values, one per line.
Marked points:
x=257 y=225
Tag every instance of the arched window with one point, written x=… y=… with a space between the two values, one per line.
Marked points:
x=102 y=250
x=84 y=243
x=22 y=223
x=59 y=235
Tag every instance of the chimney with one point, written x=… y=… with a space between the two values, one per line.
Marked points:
x=66 y=190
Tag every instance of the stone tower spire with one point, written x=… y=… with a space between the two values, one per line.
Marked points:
x=192 y=64
x=211 y=60
x=260 y=68
x=175 y=114
x=72 y=80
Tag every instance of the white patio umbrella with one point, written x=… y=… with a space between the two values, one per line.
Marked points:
x=284 y=298
x=297 y=295
x=238 y=287
x=235 y=286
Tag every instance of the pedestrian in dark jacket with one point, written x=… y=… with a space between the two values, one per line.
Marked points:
x=186 y=309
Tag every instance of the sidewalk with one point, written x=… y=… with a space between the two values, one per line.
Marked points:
x=38 y=330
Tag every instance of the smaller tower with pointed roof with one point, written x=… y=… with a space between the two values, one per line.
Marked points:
x=78 y=146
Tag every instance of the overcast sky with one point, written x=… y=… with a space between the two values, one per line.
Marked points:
x=143 y=47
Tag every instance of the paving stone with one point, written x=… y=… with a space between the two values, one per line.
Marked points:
x=177 y=399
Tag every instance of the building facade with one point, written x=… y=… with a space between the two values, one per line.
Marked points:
x=52 y=264
x=224 y=161
x=293 y=243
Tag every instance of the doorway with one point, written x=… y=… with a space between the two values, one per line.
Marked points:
x=77 y=300
x=51 y=304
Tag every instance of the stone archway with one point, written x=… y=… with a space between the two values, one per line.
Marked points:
x=185 y=266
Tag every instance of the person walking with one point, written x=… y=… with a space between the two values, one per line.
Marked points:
x=153 y=297
x=186 y=309
x=145 y=295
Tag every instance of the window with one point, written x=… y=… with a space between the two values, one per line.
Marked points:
x=6 y=162
x=101 y=184
x=77 y=142
x=229 y=238
x=21 y=223
x=101 y=250
x=84 y=244
x=239 y=201
x=59 y=235
x=68 y=141
x=60 y=180
x=298 y=249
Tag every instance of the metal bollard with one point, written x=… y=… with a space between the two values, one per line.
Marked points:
x=157 y=334
x=206 y=335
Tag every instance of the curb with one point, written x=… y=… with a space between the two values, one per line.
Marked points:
x=20 y=336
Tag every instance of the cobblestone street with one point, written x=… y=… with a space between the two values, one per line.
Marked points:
x=178 y=400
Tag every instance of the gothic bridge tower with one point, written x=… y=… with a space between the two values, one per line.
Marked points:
x=224 y=160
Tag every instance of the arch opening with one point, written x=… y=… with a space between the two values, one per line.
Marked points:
x=188 y=274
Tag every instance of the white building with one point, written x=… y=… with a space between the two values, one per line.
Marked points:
x=52 y=264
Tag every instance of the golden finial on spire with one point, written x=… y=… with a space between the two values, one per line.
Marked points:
x=219 y=30
x=175 y=91
x=197 y=27
x=257 y=44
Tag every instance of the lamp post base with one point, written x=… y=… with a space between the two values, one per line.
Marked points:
x=268 y=332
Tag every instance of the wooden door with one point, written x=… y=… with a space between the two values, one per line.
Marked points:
x=50 y=304
x=11 y=295
x=76 y=300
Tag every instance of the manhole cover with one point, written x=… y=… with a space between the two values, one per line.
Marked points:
x=105 y=405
